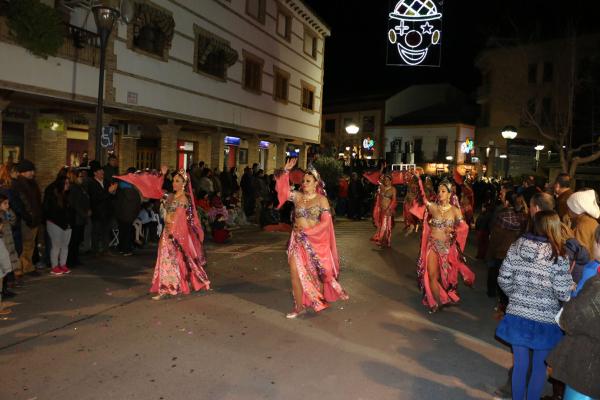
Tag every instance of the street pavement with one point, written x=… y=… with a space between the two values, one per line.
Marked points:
x=96 y=334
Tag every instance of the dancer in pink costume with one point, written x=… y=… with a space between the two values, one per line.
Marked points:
x=441 y=258
x=312 y=251
x=384 y=211
x=180 y=261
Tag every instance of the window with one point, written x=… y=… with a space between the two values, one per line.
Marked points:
x=548 y=71
x=252 y=73
x=256 y=9
x=213 y=55
x=308 y=97
x=368 y=124
x=441 y=149
x=310 y=44
x=330 y=125
x=529 y=112
x=284 y=25
x=532 y=73
x=151 y=30
x=281 y=82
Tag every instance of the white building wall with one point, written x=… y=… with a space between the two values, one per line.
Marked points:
x=175 y=87
x=20 y=67
x=429 y=135
x=172 y=86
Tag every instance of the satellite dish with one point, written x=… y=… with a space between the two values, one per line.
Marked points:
x=127 y=11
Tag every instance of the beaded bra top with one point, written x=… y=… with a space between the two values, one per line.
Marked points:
x=440 y=223
x=173 y=205
x=312 y=213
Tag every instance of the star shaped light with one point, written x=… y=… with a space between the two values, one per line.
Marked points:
x=426 y=28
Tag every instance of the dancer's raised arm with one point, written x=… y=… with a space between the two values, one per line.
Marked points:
x=282 y=183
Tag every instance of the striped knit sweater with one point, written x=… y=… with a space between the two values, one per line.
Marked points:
x=533 y=281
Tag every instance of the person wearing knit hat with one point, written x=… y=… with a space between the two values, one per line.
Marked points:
x=30 y=213
x=25 y=166
x=584 y=211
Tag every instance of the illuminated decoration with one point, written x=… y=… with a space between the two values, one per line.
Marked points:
x=263 y=144
x=539 y=147
x=232 y=140
x=449 y=158
x=352 y=129
x=467 y=147
x=415 y=33
x=368 y=143
x=503 y=156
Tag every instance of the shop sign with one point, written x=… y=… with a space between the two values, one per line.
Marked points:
x=50 y=124
x=132 y=98
x=467 y=147
x=232 y=140
x=107 y=139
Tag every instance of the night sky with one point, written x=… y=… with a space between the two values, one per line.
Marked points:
x=355 y=54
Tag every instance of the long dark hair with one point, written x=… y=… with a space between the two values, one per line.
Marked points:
x=59 y=190
x=547 y=224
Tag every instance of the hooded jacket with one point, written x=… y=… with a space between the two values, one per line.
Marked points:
x=534 y=281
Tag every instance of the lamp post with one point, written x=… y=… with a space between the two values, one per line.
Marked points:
x=538 y=148
x=509 y=132
x=105 y=18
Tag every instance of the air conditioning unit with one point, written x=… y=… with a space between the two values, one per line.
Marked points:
x=133 y=131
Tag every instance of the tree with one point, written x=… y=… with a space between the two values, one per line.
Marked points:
x=557 y=124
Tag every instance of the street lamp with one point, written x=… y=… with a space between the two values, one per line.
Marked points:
x=509 y=132
x=352 y=129
x=538 y=148
x=105 y=18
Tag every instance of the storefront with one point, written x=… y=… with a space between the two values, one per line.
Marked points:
x=185 y=154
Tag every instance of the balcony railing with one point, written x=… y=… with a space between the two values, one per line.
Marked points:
x=80 y=45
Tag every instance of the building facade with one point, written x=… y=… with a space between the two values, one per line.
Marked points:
x=366 y=114
x=431 y=126
x=229 y=82
x=528 y=85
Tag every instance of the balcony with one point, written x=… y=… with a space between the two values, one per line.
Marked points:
x=80 y=45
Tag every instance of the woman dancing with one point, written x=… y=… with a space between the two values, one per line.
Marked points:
x=312 y=251
x=411 y=221
x=383 y=212
x=440 y=262
x=181 y=259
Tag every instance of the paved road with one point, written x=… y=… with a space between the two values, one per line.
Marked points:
x=97 y=335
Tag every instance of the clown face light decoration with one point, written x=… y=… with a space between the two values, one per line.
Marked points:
x=415 y=33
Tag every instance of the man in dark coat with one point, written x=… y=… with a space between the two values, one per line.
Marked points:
x=249 y=195
x=562 y=191
x=100 y=193
x=127 y=203
x=111 y=168
x=355 y=197
x=28 y=191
